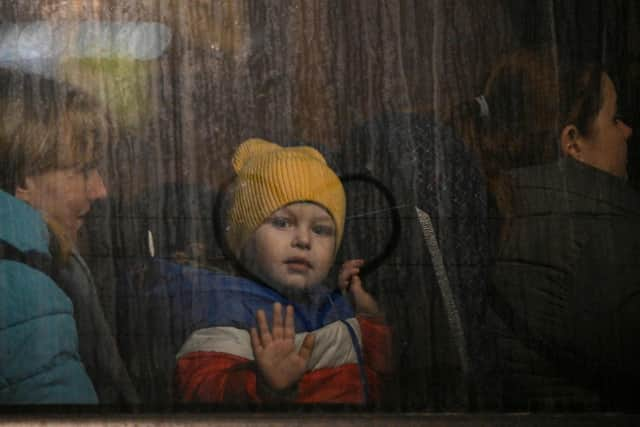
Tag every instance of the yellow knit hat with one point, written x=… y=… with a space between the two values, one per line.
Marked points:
x=269 y=177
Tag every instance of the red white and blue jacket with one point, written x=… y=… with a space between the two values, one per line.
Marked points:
x=350 y=358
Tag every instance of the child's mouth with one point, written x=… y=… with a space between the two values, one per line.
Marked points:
x=298 y=264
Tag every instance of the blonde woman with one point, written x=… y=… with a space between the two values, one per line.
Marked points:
x=57 y=346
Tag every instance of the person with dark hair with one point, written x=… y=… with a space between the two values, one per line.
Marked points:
x=56 y=344
x=565 y=282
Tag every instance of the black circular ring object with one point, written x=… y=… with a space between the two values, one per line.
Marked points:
x=372 y=264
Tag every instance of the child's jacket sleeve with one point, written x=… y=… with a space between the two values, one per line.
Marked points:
x=216 y=377
x=217 y=365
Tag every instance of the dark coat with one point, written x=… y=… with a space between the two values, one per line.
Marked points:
x=567 y=288
x=98 y=349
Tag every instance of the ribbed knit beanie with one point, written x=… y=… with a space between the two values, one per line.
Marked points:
x=270 y=177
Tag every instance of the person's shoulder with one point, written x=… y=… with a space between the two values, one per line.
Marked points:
x=25 y=292
x=28 y=294
x=570 y=186
x=22 y=226
x=538 y=175
x=39 y=338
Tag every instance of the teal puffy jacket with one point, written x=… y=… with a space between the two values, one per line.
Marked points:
x=39 y=360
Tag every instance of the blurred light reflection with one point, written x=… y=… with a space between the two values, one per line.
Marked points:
x=42 y=40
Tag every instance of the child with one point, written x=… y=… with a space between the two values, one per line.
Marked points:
x=285 y=225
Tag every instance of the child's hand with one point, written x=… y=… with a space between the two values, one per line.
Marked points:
x=349 y=281
x=281 y=366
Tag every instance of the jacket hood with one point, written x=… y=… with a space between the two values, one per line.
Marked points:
x=22 y=225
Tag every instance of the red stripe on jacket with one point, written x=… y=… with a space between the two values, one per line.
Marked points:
x=221 y=377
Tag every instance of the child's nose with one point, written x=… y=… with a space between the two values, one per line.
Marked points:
x=301 y=238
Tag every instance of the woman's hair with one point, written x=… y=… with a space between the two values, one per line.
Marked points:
x=51 y=128
x=529 y=97
x=46 y=126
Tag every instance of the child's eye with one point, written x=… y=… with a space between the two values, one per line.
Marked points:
x=279 y=222
x=323 y=230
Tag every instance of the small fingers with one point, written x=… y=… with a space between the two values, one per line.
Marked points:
x=356 y=285
x=276 y=330
x=263 y=327
x=343 y=280
x=345 y=285
x=307 y=347
x=353 y=263
x=357 y=291
x=289 y=325
x=255 y=341
x=349 y=269
x=364 y=302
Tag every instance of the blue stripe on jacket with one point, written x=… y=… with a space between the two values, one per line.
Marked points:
x=203 y=298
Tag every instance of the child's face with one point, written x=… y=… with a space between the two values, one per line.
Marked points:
x=293 y=249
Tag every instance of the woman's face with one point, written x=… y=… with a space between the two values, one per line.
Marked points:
x=64 y=195
x=605 y=147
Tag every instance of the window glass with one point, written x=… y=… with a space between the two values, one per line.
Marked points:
x=458 y=131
